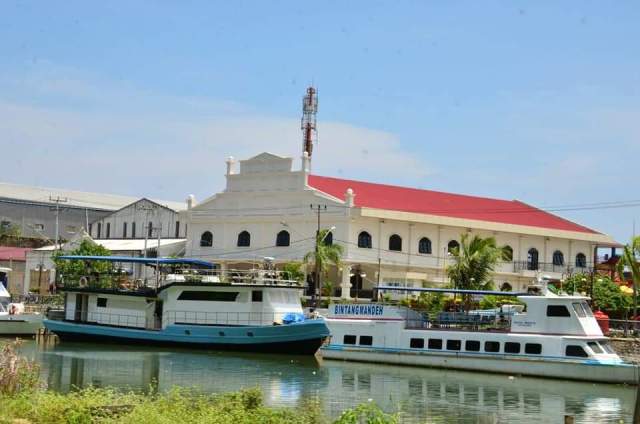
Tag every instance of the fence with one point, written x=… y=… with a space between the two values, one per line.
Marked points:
x=227 y=318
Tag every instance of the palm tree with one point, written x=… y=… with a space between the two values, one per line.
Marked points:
x=323 y=255
x=629 y=260
x=474 y=260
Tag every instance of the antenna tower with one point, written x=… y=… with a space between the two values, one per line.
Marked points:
x=308 y=122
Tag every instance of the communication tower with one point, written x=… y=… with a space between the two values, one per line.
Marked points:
x=308 y=122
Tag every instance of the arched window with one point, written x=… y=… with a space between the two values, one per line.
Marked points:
x=506 y=287
x=581 y=260
x=108 y=230
x=532 y=259
x=558 y=258
x=328 y=239
x=124 y=230
x=150 y=229
x=453 y=246
x=364 y=240
x=395 y=243
x=424 y=246
x=133 y=230
x=99 y=230
x=244 y=239
x=507 y=253
x=206 y=239
x=283 y=239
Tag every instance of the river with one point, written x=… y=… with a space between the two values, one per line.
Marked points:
x=420 y=395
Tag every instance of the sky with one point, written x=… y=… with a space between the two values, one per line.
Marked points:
x=535 y=101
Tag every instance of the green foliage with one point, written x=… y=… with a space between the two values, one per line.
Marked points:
x=324 y=254
x=9 y=230
x=608 y=298
x=71 y=271
x=368 y=413
x=629 y=259
x=579 y=283
x=492 y=302
x=293 y=271
x=16 y=373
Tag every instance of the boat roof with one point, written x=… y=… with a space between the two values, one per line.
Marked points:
x=146 y=261
x=444 y=290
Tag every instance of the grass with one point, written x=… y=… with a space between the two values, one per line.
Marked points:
x=24 y=400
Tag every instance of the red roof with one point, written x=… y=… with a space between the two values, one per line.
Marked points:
x=405 y=199
x=14 y=253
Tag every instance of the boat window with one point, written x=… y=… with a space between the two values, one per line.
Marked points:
x=435 y=344
x=215 y=296
x=101 y=302
x=472 y=345
x=511 y=347
x=349 y=339
x=533 y=348
x=575 y=350
x=595 y=347
x=587 y=309
x=579 y=310
x=557 y=311
x=366 y=340
x=604 y=344
x=492 y=346
x=454 y=344
x=416 y=343
x=256 y=295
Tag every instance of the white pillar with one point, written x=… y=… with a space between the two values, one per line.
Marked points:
x=345 y=284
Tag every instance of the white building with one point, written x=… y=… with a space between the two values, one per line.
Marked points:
x=390 y=235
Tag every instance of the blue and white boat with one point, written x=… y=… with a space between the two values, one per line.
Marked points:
x=188 y=302
x=555 y=336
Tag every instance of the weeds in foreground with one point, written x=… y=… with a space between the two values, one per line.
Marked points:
x=16 y=372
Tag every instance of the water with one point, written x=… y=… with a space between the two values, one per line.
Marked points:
x=419 y=394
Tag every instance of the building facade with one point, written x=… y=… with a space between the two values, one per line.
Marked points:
x=390 y=235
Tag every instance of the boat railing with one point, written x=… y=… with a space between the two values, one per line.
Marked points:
x=115 y=319
x=230 y=318
x=470 y=320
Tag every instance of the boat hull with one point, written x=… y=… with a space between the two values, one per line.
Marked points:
x=617 y=373
x=298 y=338
x=20 y=325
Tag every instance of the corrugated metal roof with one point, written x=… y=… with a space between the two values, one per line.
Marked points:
x=75 y=198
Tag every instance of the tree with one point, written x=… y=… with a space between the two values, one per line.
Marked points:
x=293 y=271
x=8 y=229
x=323 y=255
x=608 y=297
x=474 y=261
x=629 y=261
x=73 y=270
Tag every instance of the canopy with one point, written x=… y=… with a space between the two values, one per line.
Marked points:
x=458 y=291
x=145 y=261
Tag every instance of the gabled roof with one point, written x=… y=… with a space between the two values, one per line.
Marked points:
x=405 y=199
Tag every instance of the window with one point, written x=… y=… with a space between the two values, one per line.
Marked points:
x=557 y=311
x=453 y=247
x=364 y=240
x=177 y=233
x=558 y=258
x=101 y=302
x=472 y=346
x=595 y=347
x=511 y=347
x=416 y=343
x=256 y=295
x=424 y=246
x=454 y=344
x=395 y=243
x=349 y=339
x=150 y=229
x=108 y=235
x=533 y=348
x=124 y=230
x=99 y=230
x=587 y=309
x=577 y=307
x=244 y=239
x=366 y=340
x=435 y=344
x=209 y=296
x=604 y=344
x=91 y=230
x=133 y=230
x=507 y=253
x=283 y=239
x=506 y=287
x=328 y=239
x=532 y=259
x=575 y=350
x=206 y=239
x=581 y=260
x=38 y=227
x=492 y=346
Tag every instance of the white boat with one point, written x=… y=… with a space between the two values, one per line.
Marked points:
x=13 y=320
x=556 y=336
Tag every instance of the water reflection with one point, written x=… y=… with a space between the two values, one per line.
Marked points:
x=419 y=394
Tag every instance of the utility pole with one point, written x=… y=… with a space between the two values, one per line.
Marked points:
x=316 y=279
x=147 y=209
x=57 y=200
x=159 y=232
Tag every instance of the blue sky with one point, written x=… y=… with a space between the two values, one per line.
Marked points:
x=538 y=101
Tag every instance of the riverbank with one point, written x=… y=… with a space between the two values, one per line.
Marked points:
x=628 y=348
